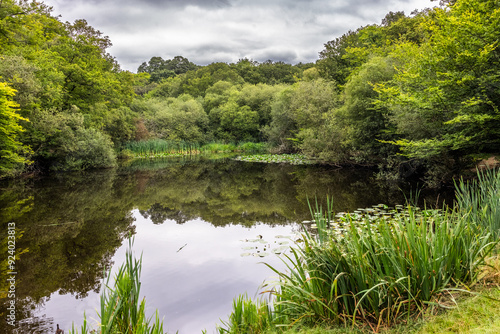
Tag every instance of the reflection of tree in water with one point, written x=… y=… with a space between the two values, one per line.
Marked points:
x=246 y=193
x=158 y=214
x=75 y=225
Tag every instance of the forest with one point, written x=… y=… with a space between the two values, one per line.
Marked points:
x=416 y=96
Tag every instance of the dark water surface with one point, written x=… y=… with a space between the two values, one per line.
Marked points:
x=200 y=225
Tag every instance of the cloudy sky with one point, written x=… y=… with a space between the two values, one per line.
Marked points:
x=205 y=31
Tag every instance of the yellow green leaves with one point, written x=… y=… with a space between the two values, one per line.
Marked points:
x=12 y=152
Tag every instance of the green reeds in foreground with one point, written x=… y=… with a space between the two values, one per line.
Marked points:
x=248 y=317
x=388 y=270
x=121 y=311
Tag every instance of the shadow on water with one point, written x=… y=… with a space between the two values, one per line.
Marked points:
x=70 y=225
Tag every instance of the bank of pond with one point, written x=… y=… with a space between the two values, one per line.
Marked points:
x=240 y=247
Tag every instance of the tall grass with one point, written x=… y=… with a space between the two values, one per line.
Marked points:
x=154 y=147
x=121 y=311
x=248 y=317
x=479 y=199
x=390 y=269
x=159 y=148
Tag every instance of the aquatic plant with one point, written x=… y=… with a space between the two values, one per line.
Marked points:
x=121 y=311
x=387 y=265
x=293 y=159
x=380 y=271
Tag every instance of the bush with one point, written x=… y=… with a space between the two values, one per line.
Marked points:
x=61 y=142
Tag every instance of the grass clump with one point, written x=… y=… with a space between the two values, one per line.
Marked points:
x=248 y=317
x=390 y=270
x=121 y=309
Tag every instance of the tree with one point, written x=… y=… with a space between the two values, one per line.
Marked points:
x=12 y=152
x=160 y=69
x=299 y=111
x=178 y=119
x=365 y=123
x=235 y=123
x=333 y=64
x=445 y=97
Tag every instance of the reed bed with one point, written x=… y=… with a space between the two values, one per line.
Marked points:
x=390 y=269
x=155 y=148
x=160 y=147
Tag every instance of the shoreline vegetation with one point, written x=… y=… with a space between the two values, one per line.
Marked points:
x=396 y=271
x=157 y=148
x=253 y=152
x=414 y=96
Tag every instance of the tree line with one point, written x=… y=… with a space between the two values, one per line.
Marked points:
x=416 y=95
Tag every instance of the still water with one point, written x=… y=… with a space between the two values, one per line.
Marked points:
x=203 y=228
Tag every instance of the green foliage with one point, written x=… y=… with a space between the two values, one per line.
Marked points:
x=12 y=151
x=237 y=113
x=57 y=67
x=181 y=119
x=233 y=122
x=443 y=98
x=21 y=75
x=344 y=55
x=422 y=84
x=160 y=69
x=61 y=142
x=269 y=72
x=299 y=115
x=365 y=123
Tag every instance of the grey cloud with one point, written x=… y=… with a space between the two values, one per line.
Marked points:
x=153 y=3
x=286 y=56
x=206 y=31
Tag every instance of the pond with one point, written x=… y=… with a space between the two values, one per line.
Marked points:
x=204 y=228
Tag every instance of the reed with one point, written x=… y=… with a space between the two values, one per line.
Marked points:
x=160 y=147
x=479 y=200
x=154 y=148
x=248 y=317
x=121 y=310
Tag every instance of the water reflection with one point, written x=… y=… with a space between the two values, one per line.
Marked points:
x=74 y=226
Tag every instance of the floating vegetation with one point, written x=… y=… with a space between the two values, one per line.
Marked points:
x=260 y=247
x=293 y=159
x=341 y=221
